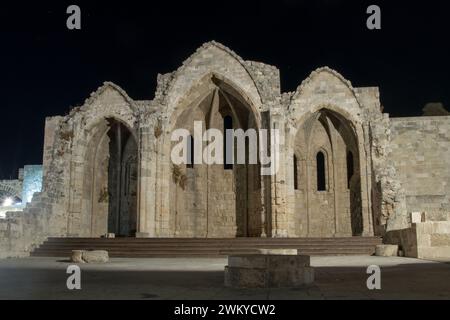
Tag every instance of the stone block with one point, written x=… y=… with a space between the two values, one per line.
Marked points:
x=89 y=256
x=436 y=216
x=424 y=228
x=278 y=251
x=441 y=227
x=263 y=271
x=95 y=256
x=77 y=256
x=3 y=225
x=386 y=250
x=416 y=217
x=440 y=240
x=442 y=252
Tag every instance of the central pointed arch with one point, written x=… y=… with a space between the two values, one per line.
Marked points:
x=215 y=200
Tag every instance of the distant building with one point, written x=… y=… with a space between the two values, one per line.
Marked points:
x=15 y=194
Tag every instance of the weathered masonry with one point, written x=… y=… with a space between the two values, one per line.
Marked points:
x=346 y=168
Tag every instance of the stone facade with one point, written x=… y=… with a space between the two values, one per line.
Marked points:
x=420 y=150
x=342 y=172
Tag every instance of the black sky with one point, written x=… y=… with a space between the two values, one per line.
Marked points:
x=46 y=69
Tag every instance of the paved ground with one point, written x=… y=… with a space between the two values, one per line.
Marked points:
x=336 y=278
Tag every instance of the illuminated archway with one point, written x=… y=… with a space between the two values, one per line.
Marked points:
x=328 y=200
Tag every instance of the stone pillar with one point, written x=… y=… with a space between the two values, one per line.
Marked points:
x=146 y=193
x=266 y=205
x=289 y=151
x=365 y=172
x=278 y=181
x=163 y=177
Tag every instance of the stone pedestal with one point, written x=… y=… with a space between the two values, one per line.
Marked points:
x=268 y=270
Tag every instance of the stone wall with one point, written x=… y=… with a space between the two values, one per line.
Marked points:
x=420 y=151
x=22 y=231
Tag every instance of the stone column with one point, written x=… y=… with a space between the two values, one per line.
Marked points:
x=365 y=172
x=147 y=190
x=266 y=205
x=278 y=181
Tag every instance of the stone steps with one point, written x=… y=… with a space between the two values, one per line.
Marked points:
x=196 y=247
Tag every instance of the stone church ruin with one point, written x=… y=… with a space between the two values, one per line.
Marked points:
x=346 y=169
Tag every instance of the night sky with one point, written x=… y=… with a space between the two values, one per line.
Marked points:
x=46 y=68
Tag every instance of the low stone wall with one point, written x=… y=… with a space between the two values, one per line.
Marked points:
x=424 y=240
x=22 y=231
x=20 y=234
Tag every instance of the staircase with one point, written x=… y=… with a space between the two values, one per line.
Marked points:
x=198 y=247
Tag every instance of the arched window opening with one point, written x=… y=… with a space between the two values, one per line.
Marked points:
x=350 y=168
x=321 y=174
x=190 y=152
x=295 y=173
x=227 y=144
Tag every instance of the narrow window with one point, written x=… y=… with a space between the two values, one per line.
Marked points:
x=227 y=144
x=190 y=151
x=321 y=180
x=350 y=169
x=295 y=173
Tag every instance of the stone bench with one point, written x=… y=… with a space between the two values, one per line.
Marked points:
x=268 y=270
